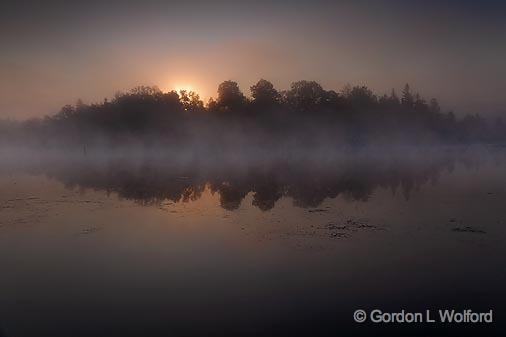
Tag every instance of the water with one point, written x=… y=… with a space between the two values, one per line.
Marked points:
x=146 y=247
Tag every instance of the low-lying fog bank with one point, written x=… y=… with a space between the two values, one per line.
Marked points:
x=308 y=177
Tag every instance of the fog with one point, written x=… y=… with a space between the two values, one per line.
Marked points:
x=306 y=117
x=306 y=143
x=308 y=177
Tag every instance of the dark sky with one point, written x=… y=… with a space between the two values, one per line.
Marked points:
x=54 y=52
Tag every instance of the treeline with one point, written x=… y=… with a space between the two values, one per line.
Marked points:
x=306 y=114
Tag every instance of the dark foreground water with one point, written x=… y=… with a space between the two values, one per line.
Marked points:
x=151 y=247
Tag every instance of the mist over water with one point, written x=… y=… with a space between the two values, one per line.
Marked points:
x=154 y=214
x=155 y=241
x=307 y=177
x=152 y=183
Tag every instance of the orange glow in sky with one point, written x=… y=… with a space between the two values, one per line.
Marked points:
x=188 y=85
x=180 y=46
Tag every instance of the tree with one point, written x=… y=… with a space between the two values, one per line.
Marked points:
x=419 y=104
x=66 y=112
x=144 y=90
x=407 y=97
x=362 y=97
x=390 y=103
x=230 y=96
x=346 y=90
x=263 y=93
x=190 y=101
x=305 y=96
x=434 y=106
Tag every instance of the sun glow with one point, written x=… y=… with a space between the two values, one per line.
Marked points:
x=179 y=87
x=188 y=85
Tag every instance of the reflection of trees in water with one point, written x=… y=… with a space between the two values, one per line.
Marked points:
x=308 y=186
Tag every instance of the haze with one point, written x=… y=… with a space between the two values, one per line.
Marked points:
x=55 y=52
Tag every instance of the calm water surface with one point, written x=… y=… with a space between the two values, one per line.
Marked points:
x=148 y=248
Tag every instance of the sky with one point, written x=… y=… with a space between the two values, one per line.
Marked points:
x=53 y=53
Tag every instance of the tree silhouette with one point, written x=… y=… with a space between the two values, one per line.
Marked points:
x=230 y=97
x=191 y=101
x=305 y=96
x=264 y=94
x=407 y=99
x=304 y=116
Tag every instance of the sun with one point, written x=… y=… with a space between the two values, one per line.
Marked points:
x=186 y=85
x=179 y=87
